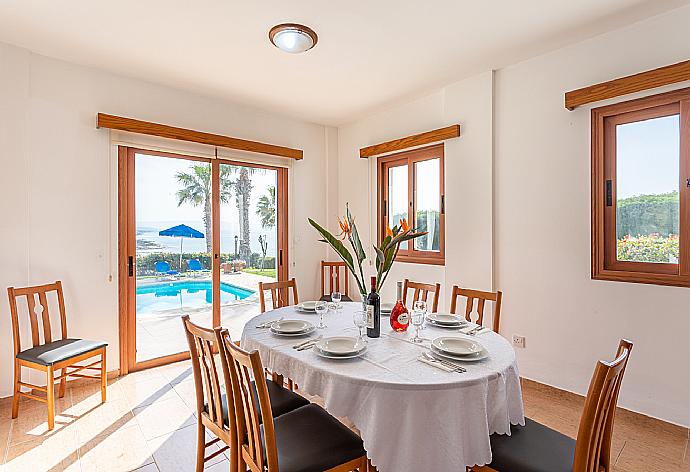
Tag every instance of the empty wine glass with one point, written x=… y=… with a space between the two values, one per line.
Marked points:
x=321 y=309
x=359 y=318
x=336 y=297
x=417 y=318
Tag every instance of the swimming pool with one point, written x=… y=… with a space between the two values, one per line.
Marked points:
x=185 y=294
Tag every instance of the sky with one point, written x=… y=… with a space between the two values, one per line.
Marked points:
x=648 y=157
x=156 y=205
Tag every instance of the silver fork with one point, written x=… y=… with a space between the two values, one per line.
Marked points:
x=449 y=364
x=476 y=330
x=267 y=324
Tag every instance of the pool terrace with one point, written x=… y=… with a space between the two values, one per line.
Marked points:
x=159 y=329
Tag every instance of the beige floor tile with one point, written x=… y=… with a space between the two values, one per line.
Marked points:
x=177 y=372
x=163 y=417
x=101 y=418
x=32 y=421
x=187 y=392
x=50 y=454
x=121 y=451
x=93 y=390
x=146 y=391
x=177 y=451
x=223 y=466
x=147 y=468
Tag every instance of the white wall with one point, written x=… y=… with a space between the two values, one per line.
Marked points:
x=543 y=228
x=58 y=182
x=468 y=162
x=534 y=244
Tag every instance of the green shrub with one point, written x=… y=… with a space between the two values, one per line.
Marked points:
x=647 y=214
x=652 y=248
x=146 y=262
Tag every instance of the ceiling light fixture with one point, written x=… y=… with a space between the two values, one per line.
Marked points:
x=293 y=38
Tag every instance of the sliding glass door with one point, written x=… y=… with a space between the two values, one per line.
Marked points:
x=199 y=235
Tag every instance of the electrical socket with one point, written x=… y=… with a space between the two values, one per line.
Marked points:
x=519 y=341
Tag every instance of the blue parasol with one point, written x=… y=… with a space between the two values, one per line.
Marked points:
x=181 y=231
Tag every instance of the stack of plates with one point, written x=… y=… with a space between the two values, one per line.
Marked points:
x=458 y=349
x=386 y=308
x=307 y=307
x=340 y=347
x=444 y=320
x=292 y=328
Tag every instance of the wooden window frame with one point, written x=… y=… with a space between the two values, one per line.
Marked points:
x=410 y=158
x=605 y=265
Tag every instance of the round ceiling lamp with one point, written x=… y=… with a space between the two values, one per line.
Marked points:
x=293 y=38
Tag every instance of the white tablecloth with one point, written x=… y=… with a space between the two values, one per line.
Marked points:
x=412 y=416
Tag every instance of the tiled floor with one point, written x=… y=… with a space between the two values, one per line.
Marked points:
x=148 y=425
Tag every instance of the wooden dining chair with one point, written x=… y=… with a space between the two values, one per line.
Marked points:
x=421 y=292
x=482 y=298
x=50 y=356
x=334 y=270
x=305 y=439
x=212 y=410
x=280 y=293
x=537 y=448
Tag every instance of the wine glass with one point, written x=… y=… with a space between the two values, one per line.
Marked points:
x=336 y=297
x=359 y=317
x=321 y=309
x=417 y=318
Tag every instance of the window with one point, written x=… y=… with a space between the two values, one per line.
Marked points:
x=410 y=186
x=641 y=190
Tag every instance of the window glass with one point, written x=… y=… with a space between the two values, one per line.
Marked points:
x=397 y=194
x=428 y=204
x=647 y=190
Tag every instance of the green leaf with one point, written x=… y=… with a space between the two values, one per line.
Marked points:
x=356 y=242
x=380 y=256
x=335 y=244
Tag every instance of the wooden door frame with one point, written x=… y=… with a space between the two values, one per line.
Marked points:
x=127 y=246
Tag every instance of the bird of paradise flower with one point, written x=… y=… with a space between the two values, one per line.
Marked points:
x=386 y=252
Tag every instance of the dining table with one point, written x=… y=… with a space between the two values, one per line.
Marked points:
x=411 y=415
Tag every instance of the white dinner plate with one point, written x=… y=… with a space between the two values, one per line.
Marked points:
x=483 y=354
x=446 y=326
x=321 y=353
x=341 y=345
x=445 y=319
x=299 y=333
x=309 y=306
x=457 y=346
x=290 y=326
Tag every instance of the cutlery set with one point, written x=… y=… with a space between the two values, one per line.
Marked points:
x=445 y=365
x=268 y=324
x=306 y=344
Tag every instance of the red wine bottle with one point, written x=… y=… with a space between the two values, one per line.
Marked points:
x=373 y=312
x=400 y=318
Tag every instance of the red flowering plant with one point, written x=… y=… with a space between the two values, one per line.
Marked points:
x=386 y=252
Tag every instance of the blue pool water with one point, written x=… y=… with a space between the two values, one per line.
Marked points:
x=185 y=294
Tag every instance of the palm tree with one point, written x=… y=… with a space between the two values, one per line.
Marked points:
x=243 y=191
x=266 y=208
x=196 y=189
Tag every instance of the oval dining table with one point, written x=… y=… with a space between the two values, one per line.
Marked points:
x=412 y=416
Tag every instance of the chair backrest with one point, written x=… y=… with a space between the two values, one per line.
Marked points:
x=194 y=264
x=421 y=292
x=202 y=343
x=334 y=269
x=243 y=367
x=162 y=266
x=280 y=293
x=39 y=315
x=481 y=298
x=593 y=448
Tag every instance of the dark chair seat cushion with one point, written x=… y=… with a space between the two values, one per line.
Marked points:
x=327 y=298
x=532 y=448
x=282 y=401
x=311 y=440
x=58 y=351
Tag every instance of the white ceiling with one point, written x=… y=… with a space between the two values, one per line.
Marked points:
x=370 y=54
